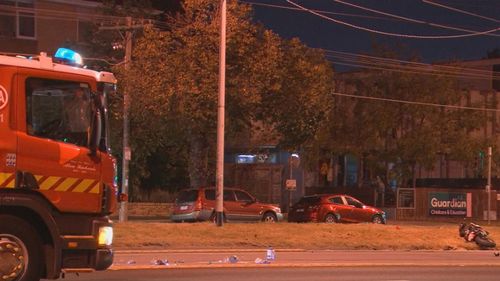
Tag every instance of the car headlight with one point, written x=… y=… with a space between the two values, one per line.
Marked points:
x=105 y=236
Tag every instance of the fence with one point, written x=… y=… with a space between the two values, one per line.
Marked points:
x=425 y=204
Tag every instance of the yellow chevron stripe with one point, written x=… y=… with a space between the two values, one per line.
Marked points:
x=83 y=185
x=66 y=184
x=4 y=177
x=11 y=183
x=62 y=187
x=95 y=189
x=48 y=183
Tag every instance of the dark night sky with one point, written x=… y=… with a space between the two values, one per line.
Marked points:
x=321 y=33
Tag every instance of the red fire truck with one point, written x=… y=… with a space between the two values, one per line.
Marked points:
x=57 y=175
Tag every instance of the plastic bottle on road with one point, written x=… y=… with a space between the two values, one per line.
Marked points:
x=270 y=254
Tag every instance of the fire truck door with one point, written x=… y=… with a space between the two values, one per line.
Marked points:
x=54 y=120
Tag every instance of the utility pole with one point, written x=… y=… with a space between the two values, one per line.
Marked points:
x=129 y=27
x=123 y=214
x=219 y=206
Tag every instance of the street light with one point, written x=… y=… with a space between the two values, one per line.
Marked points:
x=219 y=180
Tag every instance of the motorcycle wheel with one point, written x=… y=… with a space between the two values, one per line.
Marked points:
x=461 y=231
x=484 y=242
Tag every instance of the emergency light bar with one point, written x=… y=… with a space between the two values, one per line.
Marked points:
x=69 y=57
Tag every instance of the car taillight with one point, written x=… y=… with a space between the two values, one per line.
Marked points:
x=198 y=206
x=313 y=208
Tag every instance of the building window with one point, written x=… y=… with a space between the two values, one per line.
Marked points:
x=17 y=19
x=7 y=18
x=25 y=19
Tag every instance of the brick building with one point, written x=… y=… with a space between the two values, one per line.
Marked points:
x=31 y=26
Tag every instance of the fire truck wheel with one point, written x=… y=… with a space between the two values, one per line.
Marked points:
x=20 y=250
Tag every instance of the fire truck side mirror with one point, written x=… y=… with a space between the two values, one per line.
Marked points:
x=96 y=131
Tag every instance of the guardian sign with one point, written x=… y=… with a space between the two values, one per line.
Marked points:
x=4 y=98
x=447 y=204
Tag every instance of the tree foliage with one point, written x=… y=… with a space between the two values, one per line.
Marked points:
x=397 y=137
x=174 y=76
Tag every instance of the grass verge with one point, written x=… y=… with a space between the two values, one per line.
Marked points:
x=311 y=236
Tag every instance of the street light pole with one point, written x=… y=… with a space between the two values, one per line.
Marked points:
x=220 y=118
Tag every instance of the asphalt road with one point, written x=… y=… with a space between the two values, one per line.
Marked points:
x=369 y=273
x=301 y=258
x=296 y=264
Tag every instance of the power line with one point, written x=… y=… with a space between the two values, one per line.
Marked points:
x=411 y=19
x=50 y=14
x=418 y=103
x=57 y=13
x=460 y=11
x=319 y=11
x=392 y=69
x=460 y=72
x=391 y=33
x=471 y=3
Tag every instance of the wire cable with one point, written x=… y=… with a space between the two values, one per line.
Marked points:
x=447 y=69
x=391 y=33
x=419 y=103
x=411 y=19
x=402 y=70
x=97 y=18
x=460 y=11
x=319 y=11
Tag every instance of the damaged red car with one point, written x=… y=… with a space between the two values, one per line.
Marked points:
x=334 y=208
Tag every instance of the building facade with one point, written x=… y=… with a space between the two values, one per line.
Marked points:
x=32 y=26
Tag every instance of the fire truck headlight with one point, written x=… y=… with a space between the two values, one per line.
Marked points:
x=105 y=236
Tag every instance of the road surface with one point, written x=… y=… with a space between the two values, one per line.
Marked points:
x=360 y=273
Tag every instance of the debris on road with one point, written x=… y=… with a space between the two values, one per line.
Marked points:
x=160 y=262
x=261 y=261
x=270 y=254
x=231 y=259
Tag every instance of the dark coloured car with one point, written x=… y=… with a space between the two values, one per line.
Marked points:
x=239 y=205
x=334 y=208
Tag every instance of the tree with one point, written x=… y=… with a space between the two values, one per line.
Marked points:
x=300 y=104
x=399 y=137
x=174 y=77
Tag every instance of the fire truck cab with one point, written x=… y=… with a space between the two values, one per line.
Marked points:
x=57 y=175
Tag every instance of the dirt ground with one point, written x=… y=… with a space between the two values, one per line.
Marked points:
x=402 y=235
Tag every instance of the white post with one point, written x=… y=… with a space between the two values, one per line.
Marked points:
x=291 y=178
x=219 y=206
